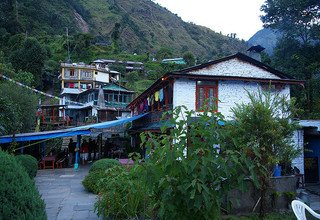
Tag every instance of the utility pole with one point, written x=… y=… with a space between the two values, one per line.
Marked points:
x=68 y=44
x=119 y=95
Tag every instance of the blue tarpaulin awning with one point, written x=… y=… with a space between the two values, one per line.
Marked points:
x=81 y=130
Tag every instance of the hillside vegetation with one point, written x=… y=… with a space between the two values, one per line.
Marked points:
x=35 y=37
x=139 y=26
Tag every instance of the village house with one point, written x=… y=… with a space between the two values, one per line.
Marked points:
x=179 y=61
x=228 y=80
x=127 y=65
x=79 y=97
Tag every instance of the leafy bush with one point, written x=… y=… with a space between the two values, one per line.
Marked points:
x=122 y=194
x=262 y=130
x=91 y=180
x=104 y=164
x=29 y=163
x=19 y=198
x=190 y=171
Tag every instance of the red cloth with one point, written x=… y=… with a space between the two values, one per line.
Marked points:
x=84 y=148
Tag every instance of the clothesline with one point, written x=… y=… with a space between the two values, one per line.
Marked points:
x=35 y=90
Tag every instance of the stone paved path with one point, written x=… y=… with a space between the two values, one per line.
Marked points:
x=64 y=195
x=314 y=196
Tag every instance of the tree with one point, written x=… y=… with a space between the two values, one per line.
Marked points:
x=189 y=58
x=296 y=18
x=263 y=131
x=17 y=108
x=298 y=51
x=30 y=57
x=301 y=61
x=9 y=16
x=164 y=53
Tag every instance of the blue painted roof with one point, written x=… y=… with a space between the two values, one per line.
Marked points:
x=87 y=129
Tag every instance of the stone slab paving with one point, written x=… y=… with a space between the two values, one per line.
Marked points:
x=314 y=196
x=64 y=195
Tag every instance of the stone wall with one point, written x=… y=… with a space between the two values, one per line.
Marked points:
x=229 y=93
x=235 y=68
x=243 y=202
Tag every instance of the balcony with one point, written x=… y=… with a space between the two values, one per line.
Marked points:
x=77 y=65
x=120 y=105
x=74 y=76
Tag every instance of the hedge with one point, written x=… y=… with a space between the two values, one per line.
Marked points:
x=104 y=164
x=29 y=163
x=19 y=198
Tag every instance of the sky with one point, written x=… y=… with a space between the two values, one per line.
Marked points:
x=226 y=16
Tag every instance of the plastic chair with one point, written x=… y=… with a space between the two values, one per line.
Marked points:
x=299 y=209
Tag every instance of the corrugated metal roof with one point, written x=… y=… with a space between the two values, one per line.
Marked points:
x=310 y=123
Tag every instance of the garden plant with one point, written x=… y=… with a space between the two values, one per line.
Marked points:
x=263 y=130
x=29 y=163
x=19 y=198
x=190 y=169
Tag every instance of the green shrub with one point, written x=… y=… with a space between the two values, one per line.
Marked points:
x=104 y=164
x=29 y=163
x=122 y=195
x=91 y=180
x=19 y=198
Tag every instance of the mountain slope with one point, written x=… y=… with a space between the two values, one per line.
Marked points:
x=138 y=26
x=267 y=38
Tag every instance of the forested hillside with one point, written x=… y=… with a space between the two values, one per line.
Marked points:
x=36 y=36
x=139 y=26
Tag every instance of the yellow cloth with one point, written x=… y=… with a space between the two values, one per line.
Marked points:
x=156 y=96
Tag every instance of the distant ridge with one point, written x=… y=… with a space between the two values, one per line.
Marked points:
x=267 y=38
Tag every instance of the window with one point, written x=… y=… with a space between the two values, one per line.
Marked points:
x=71 y=72
x=272 y=87
x=206 y=93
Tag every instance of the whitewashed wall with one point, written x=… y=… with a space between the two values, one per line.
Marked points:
x=232 y=92
x=102 y=77
x=184 y=93
x=298 y=138
x=229 y=93
x=236 y=68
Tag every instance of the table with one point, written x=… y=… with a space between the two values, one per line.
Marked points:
x=50 y=160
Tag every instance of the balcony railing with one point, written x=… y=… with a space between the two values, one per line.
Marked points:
x=77 y=65
x=121 y=105
x=68 y=76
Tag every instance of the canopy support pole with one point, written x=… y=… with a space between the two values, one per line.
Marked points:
x=76 y=165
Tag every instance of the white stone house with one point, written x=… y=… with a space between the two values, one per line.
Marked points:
x=227 y=80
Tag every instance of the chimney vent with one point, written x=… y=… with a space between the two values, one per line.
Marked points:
x=255 y=52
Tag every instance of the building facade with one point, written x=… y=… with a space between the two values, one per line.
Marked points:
x=80 y=85
x=228 y=80
x=223 y=83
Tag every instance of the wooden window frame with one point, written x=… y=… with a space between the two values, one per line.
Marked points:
x=206 y=90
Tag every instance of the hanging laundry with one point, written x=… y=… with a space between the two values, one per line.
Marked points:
x=148 y=101
x=161 y=95
x=156 y=96
x=135 y=111
x=141 y=107
x=145 y=105
x=152 y=100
